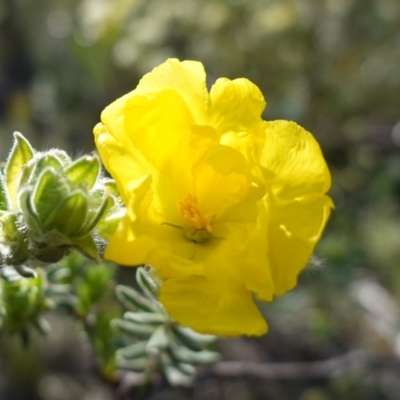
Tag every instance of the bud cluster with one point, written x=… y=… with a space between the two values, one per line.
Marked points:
x=51 y=205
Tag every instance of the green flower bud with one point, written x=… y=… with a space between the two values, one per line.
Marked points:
x=52 y=205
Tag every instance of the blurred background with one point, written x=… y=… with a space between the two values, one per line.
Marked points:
x=333 y=66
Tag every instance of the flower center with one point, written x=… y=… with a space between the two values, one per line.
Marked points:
x=198 y=226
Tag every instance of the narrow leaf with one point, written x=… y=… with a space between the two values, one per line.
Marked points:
x=194 y=357
x=133 y=351
x=146 y=282
x=132 y=300
x=145 y=318
x=139 y=331
x=21 y=153
x=159 y=339
x=198 y=337
x=136 y=365
x=3 y=196
x=186 y=339
x=176 y=377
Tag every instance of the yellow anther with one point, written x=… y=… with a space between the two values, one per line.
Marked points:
x=198 y=226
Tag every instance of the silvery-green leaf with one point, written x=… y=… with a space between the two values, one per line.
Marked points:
x=186 y=339
x=56 y=273
x=136 y=350
x=25 y=271
x=187 y=369
x=145 y=317
x=9 y=274
x=176 y=377
x=21 y=153
x=198 y=337
x=148 y=285
x=158 y=340
x=194 y=357
x=137 y=364
x=84 y=171
x=139 y=331
x=132 y=300
x=58 y=290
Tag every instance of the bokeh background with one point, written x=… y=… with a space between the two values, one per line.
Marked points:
x=333 y=66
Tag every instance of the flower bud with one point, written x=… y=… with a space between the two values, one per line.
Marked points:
x=50 y=205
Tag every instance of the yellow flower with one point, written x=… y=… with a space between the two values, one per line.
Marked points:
x=223 y=204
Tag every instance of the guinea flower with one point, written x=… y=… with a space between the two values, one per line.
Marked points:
x=225 y=206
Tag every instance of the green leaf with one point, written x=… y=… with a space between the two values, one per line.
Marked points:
x=145 y=318
x=61 y=155
x=132 y=300
x=69 y=216
x=50 y=190
x=146 y=282
x=176 y=377
x=3 y=196
x=110 y=187
x=30 y=215
x=44 y=160
x=136 y=350
x=184 y=336
x=87 y=246
x=198 y=337
x=139 y=331
x=94 y=218
x=58 y=273
x=159 y=339
x=84 y=171
x=185 y=355
x=21 y=153
x=109 y=223
x=136 y=365
x=93 y=286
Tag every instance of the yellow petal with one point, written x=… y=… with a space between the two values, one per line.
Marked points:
x=113 y=117
x=124 y=163
x=235 y=106
x=292 y=161
x=221 y=179
x=159 y=125
x=212 y=307
x=256 y=270
x=187 y=78
x=294 y=229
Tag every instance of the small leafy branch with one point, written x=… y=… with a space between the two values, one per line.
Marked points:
x=155 y=342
